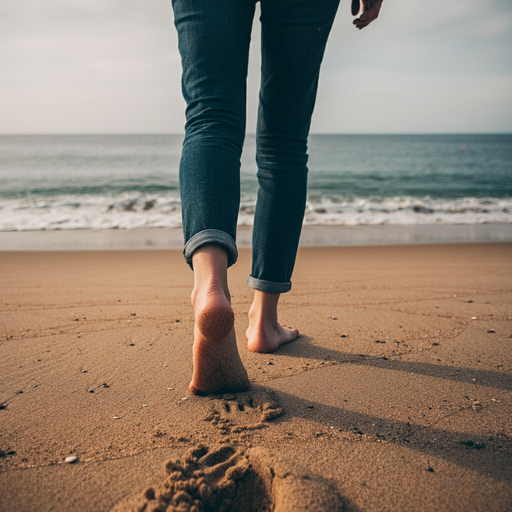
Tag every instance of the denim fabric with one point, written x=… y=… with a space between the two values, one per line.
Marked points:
x=214 y=39
x=211 y=236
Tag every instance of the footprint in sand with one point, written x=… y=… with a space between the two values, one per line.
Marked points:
x=231 y=478
x=245 y=411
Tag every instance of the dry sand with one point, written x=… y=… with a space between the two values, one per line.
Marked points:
x=397 y=395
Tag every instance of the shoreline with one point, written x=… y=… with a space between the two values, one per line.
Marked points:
x=312 y=236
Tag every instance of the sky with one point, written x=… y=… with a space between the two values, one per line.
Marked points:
x=112 y=66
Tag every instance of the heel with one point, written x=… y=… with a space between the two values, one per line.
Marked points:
x=216 y=323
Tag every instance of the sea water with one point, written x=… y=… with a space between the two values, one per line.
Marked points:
x=59 y=182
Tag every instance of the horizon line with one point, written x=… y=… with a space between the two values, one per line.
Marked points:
x=29 y=134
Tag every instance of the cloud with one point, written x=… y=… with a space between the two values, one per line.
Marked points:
x=68 y=42
x=114 y=66
x=415 y=103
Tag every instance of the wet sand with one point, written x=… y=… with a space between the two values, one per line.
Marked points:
x=396 y=396
x=311 y=236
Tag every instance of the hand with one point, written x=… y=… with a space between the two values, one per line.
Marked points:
x=371 y=9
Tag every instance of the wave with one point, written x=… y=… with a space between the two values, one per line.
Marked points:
x=135 y=210
x=409 y=211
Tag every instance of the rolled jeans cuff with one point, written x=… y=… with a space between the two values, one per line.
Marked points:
x=211 y=236
x=268 y=286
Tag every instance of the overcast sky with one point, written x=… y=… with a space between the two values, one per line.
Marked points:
x=112 y=66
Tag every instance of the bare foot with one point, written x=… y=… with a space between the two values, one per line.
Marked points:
x=265 y=333
x=217 y=364
x=261 y=339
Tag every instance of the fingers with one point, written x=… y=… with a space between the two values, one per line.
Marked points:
x=356 y=6
x=371 y=9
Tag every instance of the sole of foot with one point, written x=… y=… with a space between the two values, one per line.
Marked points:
x=215 y=323
x=217 y=364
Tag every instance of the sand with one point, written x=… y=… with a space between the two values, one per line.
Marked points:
x=311 y=235
x=396 y=396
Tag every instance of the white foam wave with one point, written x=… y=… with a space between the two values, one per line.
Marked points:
x=132 y=210
x=409 y=211
x=126 y=211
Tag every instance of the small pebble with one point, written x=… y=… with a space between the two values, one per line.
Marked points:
x=128 y=321
x=185 y=398
x=170 y=389
x=71 y=459
x=492 y=331
x=116 y=417
x=474 y=318
x=144 y=405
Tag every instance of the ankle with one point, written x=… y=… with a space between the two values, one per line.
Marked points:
x=263 y=311
x=210 y=273
x=210 y=288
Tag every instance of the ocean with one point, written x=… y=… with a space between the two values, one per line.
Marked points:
x=77 y=182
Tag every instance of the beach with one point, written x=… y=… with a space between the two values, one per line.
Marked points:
x=396 y=396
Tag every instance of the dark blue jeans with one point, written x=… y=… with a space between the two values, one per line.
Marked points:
x=214 y=38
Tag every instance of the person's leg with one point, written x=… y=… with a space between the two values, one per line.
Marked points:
x=294 y=36
x=214 y=42
x=265 y=333
x=217 y=364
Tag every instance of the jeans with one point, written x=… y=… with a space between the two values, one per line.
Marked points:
x=214 y=38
